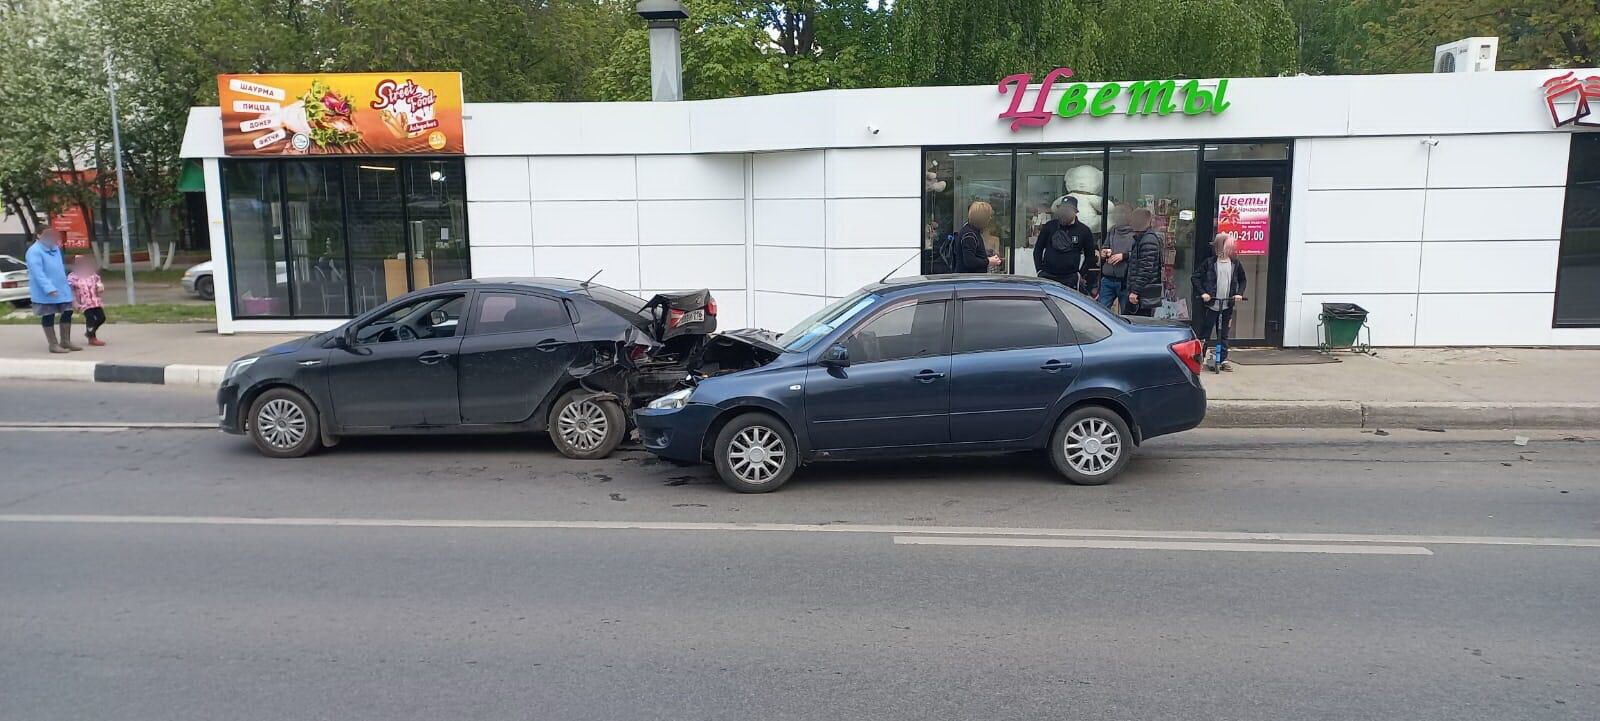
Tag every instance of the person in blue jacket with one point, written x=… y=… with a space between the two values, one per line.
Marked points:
x=49 y=291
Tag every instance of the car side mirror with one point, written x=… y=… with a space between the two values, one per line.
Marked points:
x=345 y=339
x=836 y=357
x=438 y=318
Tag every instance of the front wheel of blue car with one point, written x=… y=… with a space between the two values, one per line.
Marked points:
x=1091 y=445
x=755 y=453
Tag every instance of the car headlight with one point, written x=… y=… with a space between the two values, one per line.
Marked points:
x=238 y=366
x=672 y=401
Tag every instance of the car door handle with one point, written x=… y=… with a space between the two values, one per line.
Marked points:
x=432 y=357
x=1054 y=365
x=549 y=344
x=928 y=376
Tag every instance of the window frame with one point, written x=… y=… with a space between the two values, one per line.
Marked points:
x=477 y=306
x=1064 y=333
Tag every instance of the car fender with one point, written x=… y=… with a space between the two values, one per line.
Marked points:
x=1119 y=399
x=743 y=404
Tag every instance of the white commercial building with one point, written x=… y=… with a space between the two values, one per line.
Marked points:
x=1437 y=202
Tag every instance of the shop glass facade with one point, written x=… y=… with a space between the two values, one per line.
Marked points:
x=1578 y=270
x=1108 y=181
x=336 y=238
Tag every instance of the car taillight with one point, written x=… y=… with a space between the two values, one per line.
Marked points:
x=10 y=284
x=711 y=306
x=1189 y=352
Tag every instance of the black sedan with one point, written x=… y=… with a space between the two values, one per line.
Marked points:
x=473 y=356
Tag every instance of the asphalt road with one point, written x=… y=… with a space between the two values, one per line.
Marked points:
x=174 y=574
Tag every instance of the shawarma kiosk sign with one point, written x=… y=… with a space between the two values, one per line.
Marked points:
x=345 y=113
x=1144 y=97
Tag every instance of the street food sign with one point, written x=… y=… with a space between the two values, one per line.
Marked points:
x=350 y=113
x=1144 y=97
x=1572 y=100
x=1248 y=216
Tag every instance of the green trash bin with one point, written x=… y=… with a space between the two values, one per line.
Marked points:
x=1342 y=324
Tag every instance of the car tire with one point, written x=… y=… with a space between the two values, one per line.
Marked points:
x=585 y=427
x=206 y=287
x=284 y=424
x=1091 y=445
x=755 y=453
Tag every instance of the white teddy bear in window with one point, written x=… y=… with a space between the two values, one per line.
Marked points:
x=1085 y=182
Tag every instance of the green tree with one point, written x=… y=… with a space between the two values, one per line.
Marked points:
x=976 y=42
x=1400 y=35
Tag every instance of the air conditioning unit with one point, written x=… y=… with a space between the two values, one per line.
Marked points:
x=1470 y=55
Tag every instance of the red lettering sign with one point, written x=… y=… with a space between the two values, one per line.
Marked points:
x=1038 y=116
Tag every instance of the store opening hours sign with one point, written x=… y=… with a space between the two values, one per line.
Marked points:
x=1248 y=216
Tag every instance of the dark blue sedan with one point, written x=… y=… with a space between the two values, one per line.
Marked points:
x=938 y=365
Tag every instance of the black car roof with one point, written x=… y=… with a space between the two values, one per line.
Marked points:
x=559 y=285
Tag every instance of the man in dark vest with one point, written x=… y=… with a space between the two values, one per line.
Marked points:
x=1065 y=246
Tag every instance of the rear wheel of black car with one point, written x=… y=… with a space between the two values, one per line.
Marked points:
x=284 y=424
x=755 y=453
x=1091 y=445
x=586 y=427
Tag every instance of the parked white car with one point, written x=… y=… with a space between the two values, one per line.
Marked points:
x=197 y=281
x=13 y=280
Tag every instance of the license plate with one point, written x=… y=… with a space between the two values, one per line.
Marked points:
x=693 y=316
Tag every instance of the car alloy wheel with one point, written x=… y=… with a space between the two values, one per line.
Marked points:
x=1092 y=446
x=583 y=425
x=757 y=454
x=281 y=423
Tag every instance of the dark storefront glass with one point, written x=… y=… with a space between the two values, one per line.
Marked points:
x=359 y=232
x=314 y=197
x=959 y=179
x=1043 y=177
x=255 y=230
x=1578 y=271
x=436 y=209
x=377 y=223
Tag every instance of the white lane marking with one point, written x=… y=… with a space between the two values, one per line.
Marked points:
x=67 y=429
x=1237 y=547
x=804 y=528
x=107 y=425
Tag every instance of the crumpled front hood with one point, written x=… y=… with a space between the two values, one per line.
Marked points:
x=758 y=337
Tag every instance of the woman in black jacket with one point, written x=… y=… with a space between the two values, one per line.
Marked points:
x=1144 y=266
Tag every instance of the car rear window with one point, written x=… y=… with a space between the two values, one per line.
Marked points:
x=8 y=265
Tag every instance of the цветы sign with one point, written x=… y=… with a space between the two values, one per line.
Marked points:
x=1145 y=97
x=354 y=113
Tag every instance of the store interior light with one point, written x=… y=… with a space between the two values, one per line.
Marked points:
x=385 y=168
x=436 y=176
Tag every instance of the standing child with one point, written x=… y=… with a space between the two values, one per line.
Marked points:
x=86 y=290
x=1220 y=281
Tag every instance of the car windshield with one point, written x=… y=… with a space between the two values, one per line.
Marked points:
x=807 y=332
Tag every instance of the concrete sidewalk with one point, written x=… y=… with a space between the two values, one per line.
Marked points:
x=1398 y=388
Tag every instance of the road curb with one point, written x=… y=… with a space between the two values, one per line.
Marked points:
x=1399 y=414
x=173 y=374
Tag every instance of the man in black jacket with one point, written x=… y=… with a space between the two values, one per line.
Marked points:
x=966 y=253
x=1065 y=246
x=1144 y=266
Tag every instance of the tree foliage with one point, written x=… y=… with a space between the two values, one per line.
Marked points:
x=1400 y=35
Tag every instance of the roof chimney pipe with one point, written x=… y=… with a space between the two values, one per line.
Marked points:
x=666 y=54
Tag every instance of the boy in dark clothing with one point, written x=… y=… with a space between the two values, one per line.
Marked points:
x=1065 y=247
x=1219 y=281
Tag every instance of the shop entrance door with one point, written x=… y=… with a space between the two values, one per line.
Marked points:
x=1250 y=200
